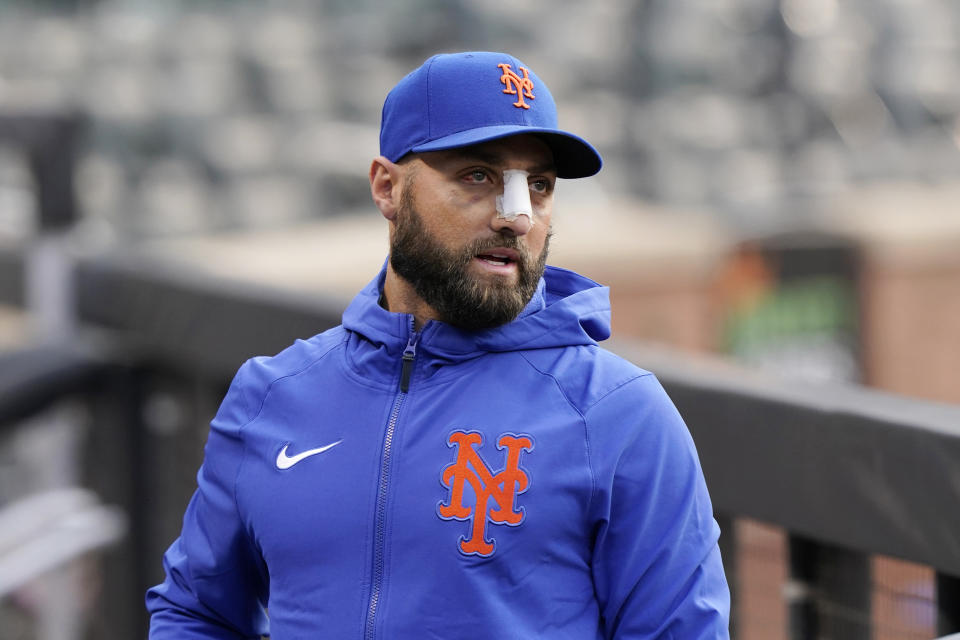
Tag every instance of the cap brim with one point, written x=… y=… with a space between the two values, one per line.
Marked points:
x=573 y=156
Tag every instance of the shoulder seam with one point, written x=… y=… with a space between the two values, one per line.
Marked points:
x=617 y=387
x=291 y=374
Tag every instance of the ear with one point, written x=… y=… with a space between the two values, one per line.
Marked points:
x=386 y=185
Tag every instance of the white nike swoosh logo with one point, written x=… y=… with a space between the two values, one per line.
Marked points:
x=285 y=462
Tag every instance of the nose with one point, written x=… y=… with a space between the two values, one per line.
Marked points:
x=514 y=212
x=517 y=225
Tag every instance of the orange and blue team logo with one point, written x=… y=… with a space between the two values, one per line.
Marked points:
x=494 y=494
x=517 y=86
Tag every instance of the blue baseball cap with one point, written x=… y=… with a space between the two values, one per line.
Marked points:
x=460 y=99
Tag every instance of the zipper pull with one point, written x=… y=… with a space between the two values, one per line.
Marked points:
x=407 y=368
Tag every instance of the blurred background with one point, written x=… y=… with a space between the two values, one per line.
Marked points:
x=781 y=187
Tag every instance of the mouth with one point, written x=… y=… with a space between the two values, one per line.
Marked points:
x=498 y=257
x=494 y=259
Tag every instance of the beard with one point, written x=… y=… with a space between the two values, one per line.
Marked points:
x=441 y=278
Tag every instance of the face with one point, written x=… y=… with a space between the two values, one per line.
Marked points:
x=474 y=269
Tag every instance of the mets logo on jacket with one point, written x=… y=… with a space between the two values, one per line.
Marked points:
x=494 y=494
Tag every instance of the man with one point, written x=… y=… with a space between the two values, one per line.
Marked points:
x=459 y=459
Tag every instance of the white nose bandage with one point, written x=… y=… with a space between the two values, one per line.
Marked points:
x=515 y=200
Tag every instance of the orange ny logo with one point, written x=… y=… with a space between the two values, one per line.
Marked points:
x=502 y=487
x=517 y=86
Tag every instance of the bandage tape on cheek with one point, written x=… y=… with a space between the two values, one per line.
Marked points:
x=515 y=200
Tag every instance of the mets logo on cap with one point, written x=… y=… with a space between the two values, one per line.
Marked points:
x=522 y=87
x=477 y=494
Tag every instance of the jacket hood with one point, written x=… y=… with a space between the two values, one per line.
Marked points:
x=567 y=309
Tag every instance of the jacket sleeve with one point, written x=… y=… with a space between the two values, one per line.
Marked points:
x=656 y=563
x=216 y=585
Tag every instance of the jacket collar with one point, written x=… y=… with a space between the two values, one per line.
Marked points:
x=567 y=309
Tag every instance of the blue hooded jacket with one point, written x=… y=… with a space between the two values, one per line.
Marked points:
x=518 y=482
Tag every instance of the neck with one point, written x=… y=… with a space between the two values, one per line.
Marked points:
x=401 y=298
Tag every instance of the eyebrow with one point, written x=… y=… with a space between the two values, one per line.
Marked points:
x=498 y=160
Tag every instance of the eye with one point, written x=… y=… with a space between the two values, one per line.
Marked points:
x=476 y=176
x=541 y=185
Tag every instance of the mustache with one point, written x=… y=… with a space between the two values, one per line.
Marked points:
x=500 y=240
x=505 y=241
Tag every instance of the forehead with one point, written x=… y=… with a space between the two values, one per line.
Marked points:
x=514 y=152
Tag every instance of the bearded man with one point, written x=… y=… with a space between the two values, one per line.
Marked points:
x=459 y=458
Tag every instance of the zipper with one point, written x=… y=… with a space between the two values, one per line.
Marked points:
x=409 y=353
x=379 y=541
